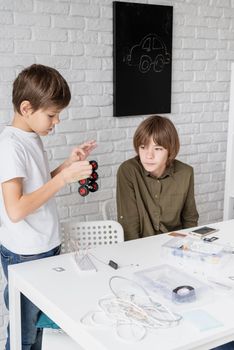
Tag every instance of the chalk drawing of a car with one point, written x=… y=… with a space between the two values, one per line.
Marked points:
x=151 y=52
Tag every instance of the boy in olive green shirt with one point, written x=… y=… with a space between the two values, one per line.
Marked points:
x=155 y=192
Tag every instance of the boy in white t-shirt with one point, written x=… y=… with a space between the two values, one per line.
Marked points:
x=30 y=225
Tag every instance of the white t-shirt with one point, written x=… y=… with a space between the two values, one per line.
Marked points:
x=22 y=155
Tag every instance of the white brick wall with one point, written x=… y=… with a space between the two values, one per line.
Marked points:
x=75 y=36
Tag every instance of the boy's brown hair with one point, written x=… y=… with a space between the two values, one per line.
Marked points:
x=163 y=132
x=42 y=86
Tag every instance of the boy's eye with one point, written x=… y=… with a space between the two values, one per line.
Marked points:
x=51 y=116
x=142 y=146
x=158 y=148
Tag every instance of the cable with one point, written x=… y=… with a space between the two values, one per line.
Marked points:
x=131 y=310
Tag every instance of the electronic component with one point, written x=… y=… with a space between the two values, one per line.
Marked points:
x=184 y=294
x=113 y=264
x=210 y=239
x=203 y=231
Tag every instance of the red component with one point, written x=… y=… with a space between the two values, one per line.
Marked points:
x=94 y=164
x=93 y=187
x=83 y=182
x=83 y=191
x=94 y=176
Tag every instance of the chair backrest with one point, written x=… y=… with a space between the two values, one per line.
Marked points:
x=109 y=210
x=90 y=233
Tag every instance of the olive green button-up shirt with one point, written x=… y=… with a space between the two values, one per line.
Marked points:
x=148 y=205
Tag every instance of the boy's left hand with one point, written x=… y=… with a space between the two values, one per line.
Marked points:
x=81 y=152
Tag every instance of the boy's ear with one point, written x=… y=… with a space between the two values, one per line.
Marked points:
x=25 y=108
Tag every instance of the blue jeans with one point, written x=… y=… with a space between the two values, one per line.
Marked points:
x=31 y=336
x=228 y=346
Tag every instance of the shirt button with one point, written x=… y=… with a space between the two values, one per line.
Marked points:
x=121 y=217
x=156 y=196
x=157 y=228
x=158 y=181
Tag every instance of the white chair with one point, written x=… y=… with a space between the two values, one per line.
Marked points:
x=91 y=233
x=109 y=210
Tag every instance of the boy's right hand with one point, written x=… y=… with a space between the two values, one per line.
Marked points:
x=77 y=171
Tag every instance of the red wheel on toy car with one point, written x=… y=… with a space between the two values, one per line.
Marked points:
x=83 y=191
x=83 y=182
x=94 y=176
x=94 y=164
x=93 y=187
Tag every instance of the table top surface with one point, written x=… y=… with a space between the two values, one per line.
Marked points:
x=66 y=295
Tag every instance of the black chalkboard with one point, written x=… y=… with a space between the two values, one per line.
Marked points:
x=142 y=37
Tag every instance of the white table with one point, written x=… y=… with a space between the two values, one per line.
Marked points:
x=68 y=295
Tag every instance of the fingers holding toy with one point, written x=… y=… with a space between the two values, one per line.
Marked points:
x=77 y=171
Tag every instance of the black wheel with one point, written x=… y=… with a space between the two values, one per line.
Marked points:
x=94 y=176
x=83 y=191
x=93 y=187
x=83 y=182
x=94 y=164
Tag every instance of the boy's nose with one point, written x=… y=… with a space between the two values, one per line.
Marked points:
x=149 y=154
x=56 y=119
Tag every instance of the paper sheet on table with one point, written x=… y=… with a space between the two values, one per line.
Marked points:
x=202 y=320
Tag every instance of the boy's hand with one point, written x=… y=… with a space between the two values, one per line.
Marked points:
x=77 y=171
x=81 y=152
